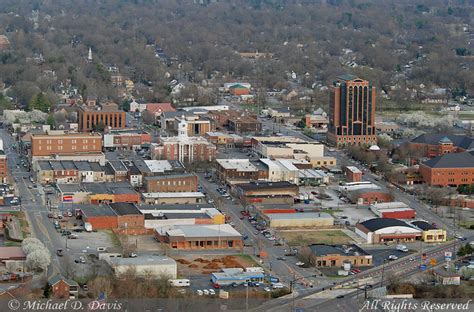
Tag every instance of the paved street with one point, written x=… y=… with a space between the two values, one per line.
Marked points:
x=33 y=204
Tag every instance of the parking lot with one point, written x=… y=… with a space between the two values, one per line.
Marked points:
x=379 y=255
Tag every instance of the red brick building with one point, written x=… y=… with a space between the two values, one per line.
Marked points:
x=432 y=145
x=3 y=167
x=449 y=169
x=108 y=115
x=62 y=288
x=65 y=144
x=352 y=112
x=353 y=174
x=171 y=183
x=369 y=196
x=122 y=217
x=204 y=236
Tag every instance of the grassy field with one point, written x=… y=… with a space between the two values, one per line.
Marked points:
x=466 y=224
x=303 y=238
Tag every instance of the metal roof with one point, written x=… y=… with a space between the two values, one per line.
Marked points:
x=380 y=223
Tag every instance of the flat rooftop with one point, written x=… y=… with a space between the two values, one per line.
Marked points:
x=342 y=250
x=70 y=188
x=174 y=195
x=208 y=231
x=177 y=207
x=95 y=210
x=299 y=216
x=141 y=260
x=389 y=205
x=243 y=165
x=123 y=209
x=353 y=169
x=265 y=185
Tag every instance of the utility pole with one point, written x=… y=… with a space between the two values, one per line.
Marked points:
x=247 y=296
x=383 y=269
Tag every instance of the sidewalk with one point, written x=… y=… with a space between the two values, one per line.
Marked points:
x=14 y=229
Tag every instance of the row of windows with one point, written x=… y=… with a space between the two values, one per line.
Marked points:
x=60 y=141
x=60 y=147
x=175 y=183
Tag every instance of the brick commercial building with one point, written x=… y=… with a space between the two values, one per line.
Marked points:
x=449 y=169
x=172 y=183
x=352 y=112
x=267 y=192
x=393 y=210
x=245 y=124
x=67 y=146
x=130 y=220
x=353 y=174
x=240 y=170
x=3 y=167
x=337 y=255
x=380 y=230
x=216 y=236
x=107 y=116
x=369 y=196
x=126 y=139
x=125 y=218
x=432 y=145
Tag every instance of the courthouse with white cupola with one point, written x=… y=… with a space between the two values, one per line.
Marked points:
x=183 y=147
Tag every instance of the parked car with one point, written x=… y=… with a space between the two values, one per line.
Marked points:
x=212 y=292
x=392 y=257
x=299 y=263
x=206 y=292
x=199 y=292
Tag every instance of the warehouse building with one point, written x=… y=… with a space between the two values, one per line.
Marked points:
x=267 y=192
x=221 y=236
x=292 y=220
x=173 y=198
x=393 y=210
x=380 y=230
x=169 y=217
x=367 y=196
x=337 y=255
x=156 y=266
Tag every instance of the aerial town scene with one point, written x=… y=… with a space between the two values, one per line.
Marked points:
x=237 y=155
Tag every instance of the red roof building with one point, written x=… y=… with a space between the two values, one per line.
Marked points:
x=158 y=108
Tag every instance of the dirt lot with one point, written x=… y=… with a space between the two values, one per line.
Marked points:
x=207 y=264
x=303 y=238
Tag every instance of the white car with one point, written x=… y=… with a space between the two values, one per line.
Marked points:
x=199 y=292
x=267 y=289
x=206 y=292
x=392 y=257
x=212 y=292
x=299 y=263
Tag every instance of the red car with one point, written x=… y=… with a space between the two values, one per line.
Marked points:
x=216 y=286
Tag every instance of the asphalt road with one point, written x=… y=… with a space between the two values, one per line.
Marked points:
x=34 y=206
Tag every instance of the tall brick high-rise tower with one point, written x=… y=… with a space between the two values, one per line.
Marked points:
x=351 y=112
